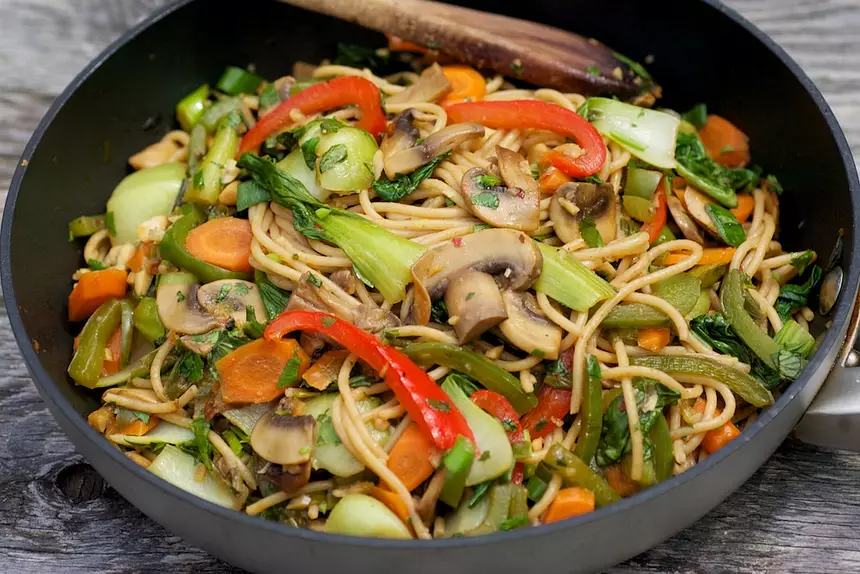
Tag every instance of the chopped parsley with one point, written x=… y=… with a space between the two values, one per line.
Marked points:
x=593 y=70
x=517 y=67
x=439 y=405
x=488 y=181
x=334 y=155
x=96 y=265
x=328 y=321
x=484 y=456
x=486 y=199
x=315 y=281
x=290 y=375
x=180 y=296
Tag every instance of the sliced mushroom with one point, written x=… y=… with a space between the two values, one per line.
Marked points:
x=345 y=279
x=179 y=309
x=516 y=204
x=697 y=204
x=409 y=159
x=283 y=439
x=574 y=201
x=474 y=304
x=231 y=298
x=431 y=86
x=288 y=478
x=200 y=345
x=527 y=328
x=685 y=223
x=511 y=255
x=401 y=134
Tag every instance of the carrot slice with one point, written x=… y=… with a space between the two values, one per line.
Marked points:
x=551 y=179
x=620 y=482
x=727 y=144
x=251 y=373
x=136 y=427
x=140 y=255
x=653 y=339
x=409 y=460
x=718 y=438
x=93 y=289
x=467 y=85
x=114 y=345
x=225 y=242
x=569 y=502
x=709 y=255
x=745 y=207
x=324 y=372
x=393 y=501
x=396 y=44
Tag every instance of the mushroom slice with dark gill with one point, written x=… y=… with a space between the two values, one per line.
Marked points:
x=474 y=304
x=510 y=201
x=179 y=309
x=697 y=207
x=283 y=439
x=404 y=155
x=685 y=223
x=512 y=256
x=573 y=202
x=287 y=477
x=231 y=298
x=527 y=328
x=431 y=86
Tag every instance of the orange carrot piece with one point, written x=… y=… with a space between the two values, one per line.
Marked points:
x=620 y=482
x=710 y=255
x=114 y=345
x=140 y=255
x=102 y=418
x=225 y=242
x=136 y=427
x=718 y=438
x=679 y=193
x=745 y=207
x=551 y=179
x=727 y=144
x=250 y=374
x=409 y=460
x=569 y=502
x=393 y=501
x=467 y=85
x=396 y=44
x=93 y=289
x=324 y=372
x=654 y=339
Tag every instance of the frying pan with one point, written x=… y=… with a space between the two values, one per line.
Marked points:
x=124 y=100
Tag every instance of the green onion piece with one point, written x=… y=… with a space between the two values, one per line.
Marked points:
x=190 y=109
x=213 y=115
x=457 y=462
x=535 y=488
x=236 y=81
x=206 y=181
x=196 y=148
x=522 y=449
x=569 y=282
x=86 y=225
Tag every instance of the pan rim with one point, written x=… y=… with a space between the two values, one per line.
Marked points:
x=43 y=382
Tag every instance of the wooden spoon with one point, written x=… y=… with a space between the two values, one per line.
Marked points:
x=542 y=55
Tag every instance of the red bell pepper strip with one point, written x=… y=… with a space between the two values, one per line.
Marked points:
x=531 y=114
x=501 y=408
x=657 y=222
x=553 y=405
x=423 y=399
x=319 y=98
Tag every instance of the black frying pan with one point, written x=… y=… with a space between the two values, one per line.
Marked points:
x=124 y=100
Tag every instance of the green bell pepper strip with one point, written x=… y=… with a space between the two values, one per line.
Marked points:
x=500 y=503
x=206 y=181
x=592 y=421
x=86 y=225
x=196 y=148
x=126 y=331
x=172 y=248
x=191 y=108
x=574 y=471
x=477 y=367
x=709 y=274
x=86 y=366
x=139 y=368
x=681 y=291
x=147 y=321
x=732 y=300
x=743 y=385
x=236 y=81
x=218 y=111
x=664 y=236
x=457 y=462
x=661 y=441
x=535 y=487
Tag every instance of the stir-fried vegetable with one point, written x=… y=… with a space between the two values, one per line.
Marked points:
x=190 y=109
x=206 y=182
x=140 y=196
x=236 y=81
x=86 y=366
x=569 y=282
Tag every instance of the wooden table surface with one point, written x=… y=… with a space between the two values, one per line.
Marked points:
x=799 y=513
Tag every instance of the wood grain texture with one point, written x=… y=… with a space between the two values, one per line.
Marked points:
x=799 y=513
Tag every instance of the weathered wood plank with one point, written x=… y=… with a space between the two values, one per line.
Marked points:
x=800 y=512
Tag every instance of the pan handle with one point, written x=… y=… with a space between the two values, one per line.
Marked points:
x=833 y=418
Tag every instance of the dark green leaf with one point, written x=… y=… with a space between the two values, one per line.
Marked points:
x=331 y=125
x=637 y=68
x=773 y=184
x=517 y=67
x=309 y=152
x=328 y=321
x=439 y=312
x=96 y=265
x=226 y=343
x=479 y=492
x=403 y=185
x=788 y=364
x=558 y=373
x=484 y=456
x=439 y=405
x=465 y=382
x=588 y=231
x=274 y=298
x=486 y=199
x=250 y=193
x=253 y=328
x=728 y=227
x=593 y=179
x=794 y=296
x=359 y=56
x=696 y=116
x=593 y=70
x=480 y=227
x=334 y=155
x=705 y=173
x=285 y=189
x=802 y=260
x=269 y=96
x=488 y=181
x=359 y=381
x=290 y=375
x=190 y=366
x=314 y=280
x=201 y=444
x=325 y=431
x=514 y=522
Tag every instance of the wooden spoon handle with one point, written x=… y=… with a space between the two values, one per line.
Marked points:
x=539 y=54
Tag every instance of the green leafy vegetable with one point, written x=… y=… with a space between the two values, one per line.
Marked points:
x=773 y=184
x=269 y=96
x=486 y=199
x=439 y=312
x=225 y=343
x=250 y=193
x=190 y=366
x=402 y=185
x=717 y=181
x=593 y=70
x=697 y=116
x=333 y=156
x=253 y=328
x=274 y=298
x=637 y=68
x=309 y=152
x=793 y=338
x=488 y=181
x=589 y=232
x=326 y=433
x=359 y=56
x=728 y=227
x=290 y=375
x=794 y=296
x=201 y=447
x=802 y=260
